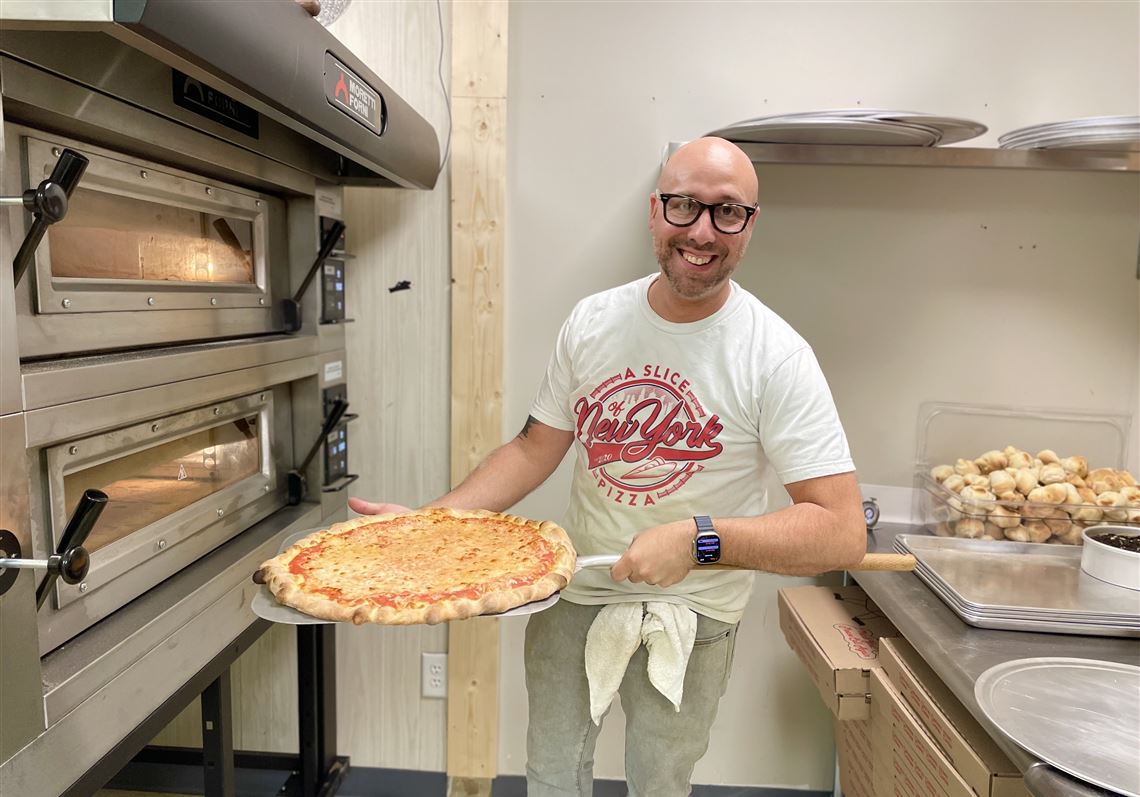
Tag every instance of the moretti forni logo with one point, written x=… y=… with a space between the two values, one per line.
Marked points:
x=346 y=91
x=645 y=434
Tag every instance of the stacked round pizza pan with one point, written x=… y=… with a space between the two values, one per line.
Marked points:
x=1104 y=133
x=853 y=126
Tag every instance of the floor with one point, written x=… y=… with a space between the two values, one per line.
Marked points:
x=372 y=782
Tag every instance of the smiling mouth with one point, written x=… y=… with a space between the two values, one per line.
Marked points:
x=695 y=259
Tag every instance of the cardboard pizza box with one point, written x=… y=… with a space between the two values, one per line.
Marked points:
x=853 y=747
x=835 y=632
x=972 y=752
x=906 y=761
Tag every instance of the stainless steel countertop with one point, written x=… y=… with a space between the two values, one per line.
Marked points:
x=960 y=653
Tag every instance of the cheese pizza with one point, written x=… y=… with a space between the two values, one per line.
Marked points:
x=427 y=566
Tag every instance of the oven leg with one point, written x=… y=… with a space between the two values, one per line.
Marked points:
x=217 y=738
x=316 y=682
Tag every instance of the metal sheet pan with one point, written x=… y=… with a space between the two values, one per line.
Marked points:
x=1044 y=593
x=1012 y=578
x=1040 y=626
x=932 y=577
x=933 y=582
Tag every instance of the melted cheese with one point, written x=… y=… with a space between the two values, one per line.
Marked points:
x=407 y=562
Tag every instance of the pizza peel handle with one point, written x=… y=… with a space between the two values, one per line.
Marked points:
x=897 y=562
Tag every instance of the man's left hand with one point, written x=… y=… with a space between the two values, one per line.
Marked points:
x=312 y=6
x=661 y=556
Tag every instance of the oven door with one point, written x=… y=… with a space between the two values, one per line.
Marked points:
x=148 y=255
x=165 y=480
x=186 y=467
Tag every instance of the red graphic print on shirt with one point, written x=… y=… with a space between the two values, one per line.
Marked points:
x=645 y=434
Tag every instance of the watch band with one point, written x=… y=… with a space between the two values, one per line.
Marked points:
x=706 y=542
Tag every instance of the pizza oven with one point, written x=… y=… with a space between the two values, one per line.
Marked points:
x=173 y=378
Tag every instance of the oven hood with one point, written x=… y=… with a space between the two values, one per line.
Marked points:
x=239 y=68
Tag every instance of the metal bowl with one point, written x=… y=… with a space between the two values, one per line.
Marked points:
x=1108 y=563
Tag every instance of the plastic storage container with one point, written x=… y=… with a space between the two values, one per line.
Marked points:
x=997 y=501
x=1109 y=563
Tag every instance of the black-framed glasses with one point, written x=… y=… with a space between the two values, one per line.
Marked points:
x=727 y=217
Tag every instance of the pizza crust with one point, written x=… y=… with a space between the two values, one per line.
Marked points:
x=289 y=588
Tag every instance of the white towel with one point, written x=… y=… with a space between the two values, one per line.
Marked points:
x=668 y=631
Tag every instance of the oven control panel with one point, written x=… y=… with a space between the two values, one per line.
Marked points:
x=332 y=292
x=336 y=455
x=336 y=442
x=332 y=278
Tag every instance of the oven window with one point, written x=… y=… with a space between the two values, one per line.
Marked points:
x=148 y=485
x=106 y=236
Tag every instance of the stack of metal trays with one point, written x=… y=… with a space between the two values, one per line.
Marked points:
x=1105 y=133
x=853 y=126
x=1022 y=586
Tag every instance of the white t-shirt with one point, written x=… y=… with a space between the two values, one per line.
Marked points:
x=675 y=420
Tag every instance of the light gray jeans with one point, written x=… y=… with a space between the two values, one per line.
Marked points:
x=662 y=745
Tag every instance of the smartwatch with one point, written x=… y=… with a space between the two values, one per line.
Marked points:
x=706 y=543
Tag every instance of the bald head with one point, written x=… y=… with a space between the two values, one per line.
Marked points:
x=711 y=160
x=696 y=256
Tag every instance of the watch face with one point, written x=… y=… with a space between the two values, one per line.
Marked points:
x=706 y=549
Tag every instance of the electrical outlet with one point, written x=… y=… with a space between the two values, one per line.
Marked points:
x=433 y=674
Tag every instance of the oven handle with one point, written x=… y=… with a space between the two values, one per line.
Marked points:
x=340 y=483
x=291 y=307
x=47 y=203
x=71 y=560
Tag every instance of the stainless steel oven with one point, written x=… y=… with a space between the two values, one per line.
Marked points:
x=178 y=485
x=146 y=255
x=166 y=343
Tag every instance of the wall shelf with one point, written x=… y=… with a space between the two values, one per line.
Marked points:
x=945 y=157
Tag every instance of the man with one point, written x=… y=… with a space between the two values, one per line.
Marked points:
x=679 y=391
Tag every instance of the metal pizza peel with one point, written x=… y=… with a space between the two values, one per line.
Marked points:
x=264 y=605
x=902 y=563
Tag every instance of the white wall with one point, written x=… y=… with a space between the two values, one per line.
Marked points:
x=970 y=286
x=1000 y=287
x=398 y=375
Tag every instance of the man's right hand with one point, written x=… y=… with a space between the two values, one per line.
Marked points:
x=362 y=507
x=505 y=477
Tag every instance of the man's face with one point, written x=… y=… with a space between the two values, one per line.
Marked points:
x=698 y=260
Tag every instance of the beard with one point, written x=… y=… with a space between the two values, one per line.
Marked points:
x=687 y=284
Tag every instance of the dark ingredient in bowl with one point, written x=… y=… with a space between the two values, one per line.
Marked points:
x=1127 y=542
